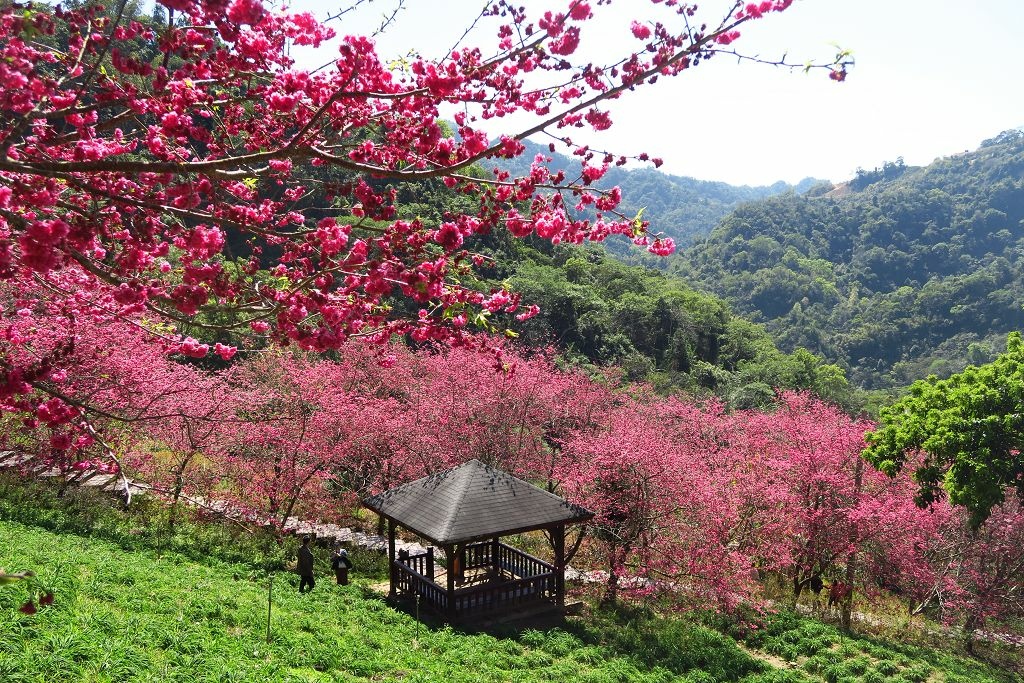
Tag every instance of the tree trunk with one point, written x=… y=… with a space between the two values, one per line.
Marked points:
x=851 y=561
x=969 y=628
x=179 y=486
x=295 y=493
x=571 y=552
x=611 y=589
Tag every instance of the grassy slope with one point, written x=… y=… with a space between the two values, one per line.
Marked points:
x=128 y=615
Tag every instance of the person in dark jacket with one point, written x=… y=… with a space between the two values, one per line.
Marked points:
x=341 y=563
x=305 y=566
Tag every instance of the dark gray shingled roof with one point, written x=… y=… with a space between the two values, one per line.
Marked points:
x=472 y=502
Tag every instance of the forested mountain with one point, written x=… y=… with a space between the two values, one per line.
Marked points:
x=685 y=209
x=650 y=325
x=900 y=273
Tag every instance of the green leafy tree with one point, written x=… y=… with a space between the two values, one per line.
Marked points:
x=969 y=428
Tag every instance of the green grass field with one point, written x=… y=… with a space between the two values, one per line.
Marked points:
x=129 y=615
x=133 y=602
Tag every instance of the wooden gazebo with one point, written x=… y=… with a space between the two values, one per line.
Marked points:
x=465 y=511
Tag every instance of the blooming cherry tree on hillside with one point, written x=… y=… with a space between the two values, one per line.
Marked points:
x=296 y=435
x=513 y=419
x=974 y=576
x=109 y=386
x=180 y=169
x=666 y=513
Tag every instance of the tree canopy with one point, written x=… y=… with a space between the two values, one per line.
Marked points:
x=969 y=428
x=655 y=328
x=182 y=173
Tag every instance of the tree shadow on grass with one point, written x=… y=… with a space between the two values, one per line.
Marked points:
x=647 y=640
x=671 y=643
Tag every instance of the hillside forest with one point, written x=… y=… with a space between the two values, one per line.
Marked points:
x=900 y=273
x=895 y=275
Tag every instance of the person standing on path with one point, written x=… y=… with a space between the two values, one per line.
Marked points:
x=305 y=566
x=341 y=563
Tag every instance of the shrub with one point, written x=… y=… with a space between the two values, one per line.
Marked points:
x=917 y=672
x=857 y=666
x=887 y=667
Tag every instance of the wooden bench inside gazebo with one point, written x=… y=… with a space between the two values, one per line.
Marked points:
x=465 y=511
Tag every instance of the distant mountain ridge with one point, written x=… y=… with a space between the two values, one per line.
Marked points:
x=899 y=273
x=683 y=208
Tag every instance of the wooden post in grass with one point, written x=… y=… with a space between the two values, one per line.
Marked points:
x=270 y=602
x=416 y=642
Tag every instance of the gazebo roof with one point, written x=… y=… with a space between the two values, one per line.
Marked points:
x=472 y=502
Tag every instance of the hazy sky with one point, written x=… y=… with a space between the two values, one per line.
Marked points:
x=932 y=78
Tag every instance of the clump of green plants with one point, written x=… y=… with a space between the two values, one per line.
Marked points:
x=826 y=653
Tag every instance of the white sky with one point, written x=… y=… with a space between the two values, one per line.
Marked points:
x=932 y=78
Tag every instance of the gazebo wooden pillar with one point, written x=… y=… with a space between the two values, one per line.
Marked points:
x=450 y=575
x=558 y=540
x=392 y=530
x=466 y=510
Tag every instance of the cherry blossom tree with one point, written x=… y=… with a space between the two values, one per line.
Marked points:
x=840 y=520
x=295 y=434
x=134 y=152
x=118 y=390
x=976 y=573
x=461 y=405
x=738 y=524
x=188 y=430
x=666 y=513
x=622 y=473
x=811 y=452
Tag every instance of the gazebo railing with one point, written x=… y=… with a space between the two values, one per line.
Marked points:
x=514 y=561
x=490 y=596
x=477 y=555
x=422 y=563
x=412 y=582
x=533 y=579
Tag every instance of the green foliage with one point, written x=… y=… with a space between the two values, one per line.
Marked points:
x=823 y=652
x=133 y=616
x=85 y=511
x=676 y=645
x=655 y=328
x=901 y=273
x=970 y=428
x=130 y=615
